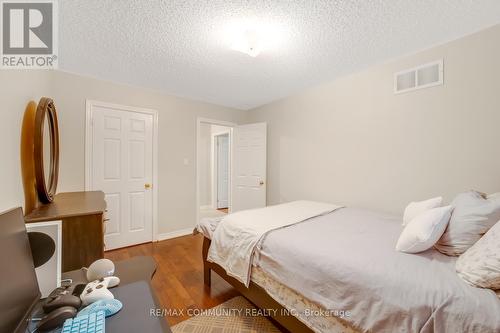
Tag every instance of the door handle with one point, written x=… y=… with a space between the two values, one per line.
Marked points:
x=147 y=186
x=261 y=183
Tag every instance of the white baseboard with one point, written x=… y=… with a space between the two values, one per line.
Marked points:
x=174 y=234
x=206 y=207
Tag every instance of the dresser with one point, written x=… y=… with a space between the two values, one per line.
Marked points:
x=82 y=218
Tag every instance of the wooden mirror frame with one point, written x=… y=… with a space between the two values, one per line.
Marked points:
x=46 y=109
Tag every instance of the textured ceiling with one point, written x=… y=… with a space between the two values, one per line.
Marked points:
x=182 y=48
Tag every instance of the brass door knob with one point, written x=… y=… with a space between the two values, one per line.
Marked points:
x=147 y=186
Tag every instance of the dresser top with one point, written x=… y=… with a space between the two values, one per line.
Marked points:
x=69 y=204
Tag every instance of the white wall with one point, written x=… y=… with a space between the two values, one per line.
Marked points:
x=206 y=146
x=177 y=136
x=17 y=88
x=177 y=139
x=205 y=154
x=218 y=130
x=352 y=141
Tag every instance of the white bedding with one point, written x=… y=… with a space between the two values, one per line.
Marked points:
x=207 y=225
x=346 y=261
x=237 y=235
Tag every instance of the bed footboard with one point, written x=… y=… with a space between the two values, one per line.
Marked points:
x=207 y=280
x=254 y=293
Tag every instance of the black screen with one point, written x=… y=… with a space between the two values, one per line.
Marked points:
x=18 y=284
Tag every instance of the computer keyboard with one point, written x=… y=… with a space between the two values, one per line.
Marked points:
x=91 y=323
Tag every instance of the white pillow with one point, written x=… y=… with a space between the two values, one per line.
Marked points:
x=424 y=230
x=416 y=208
x=480 y=264
x=472 y=217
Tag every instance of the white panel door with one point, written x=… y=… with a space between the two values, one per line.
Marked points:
x=122 y=167
x=222 y=171
x=249 y=167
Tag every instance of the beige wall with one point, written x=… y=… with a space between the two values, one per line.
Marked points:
x=352 y=141
x=177 y=136
x=177 y=140
x=205 y=165
x=17 y=88
x=206 y=158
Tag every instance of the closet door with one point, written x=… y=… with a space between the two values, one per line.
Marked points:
x=122 y=167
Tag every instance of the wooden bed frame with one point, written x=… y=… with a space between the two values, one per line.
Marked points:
x=254 y=293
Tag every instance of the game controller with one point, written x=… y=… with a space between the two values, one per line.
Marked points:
x=52 y=303
x=98 y=290
x=61 y=304
x=62 y=296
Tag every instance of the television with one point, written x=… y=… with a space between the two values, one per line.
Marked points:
x=19 y=290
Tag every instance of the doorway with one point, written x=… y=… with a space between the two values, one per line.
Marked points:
x=233 y=178
x=121 y=161
x=214 y=169
x=221 y=172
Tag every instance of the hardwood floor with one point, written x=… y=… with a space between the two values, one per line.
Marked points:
x=224 y=210
x=178 y=281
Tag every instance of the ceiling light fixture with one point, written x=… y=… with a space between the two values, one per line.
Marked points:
x=252 y=36
x=249 y=42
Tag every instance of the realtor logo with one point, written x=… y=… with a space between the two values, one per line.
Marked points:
x=29 y=34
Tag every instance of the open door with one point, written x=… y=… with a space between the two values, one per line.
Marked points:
x=249 y=167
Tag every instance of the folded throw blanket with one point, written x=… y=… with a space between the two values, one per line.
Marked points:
x=237 y=235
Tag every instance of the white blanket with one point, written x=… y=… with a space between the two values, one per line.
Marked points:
x=237 y=235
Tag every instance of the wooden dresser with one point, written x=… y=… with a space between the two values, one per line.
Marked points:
x=82 y=216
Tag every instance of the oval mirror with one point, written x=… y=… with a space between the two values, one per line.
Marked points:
x=46 y=150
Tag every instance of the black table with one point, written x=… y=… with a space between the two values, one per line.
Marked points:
x=138 y=300
x=135 y=293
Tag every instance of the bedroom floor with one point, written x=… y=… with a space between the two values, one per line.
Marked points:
x=178 y=281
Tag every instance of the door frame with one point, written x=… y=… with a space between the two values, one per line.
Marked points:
x=215 y=167
x=231 y=125
x=89 y=104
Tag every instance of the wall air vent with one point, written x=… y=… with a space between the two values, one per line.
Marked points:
x=425 y=76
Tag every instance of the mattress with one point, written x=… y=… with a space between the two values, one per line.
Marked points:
x=311 y=314
x=345 y=262
x=297 y=305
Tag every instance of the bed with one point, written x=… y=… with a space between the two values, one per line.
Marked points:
x=339 y=272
